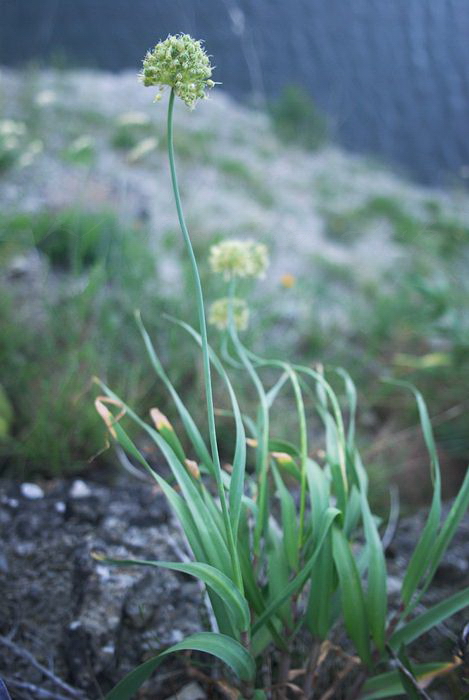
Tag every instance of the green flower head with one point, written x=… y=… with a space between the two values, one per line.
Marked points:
x=239 y=259
x=180 y=62
x=219 y=314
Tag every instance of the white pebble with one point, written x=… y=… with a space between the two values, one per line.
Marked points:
x=79 y=489
x=32 y=491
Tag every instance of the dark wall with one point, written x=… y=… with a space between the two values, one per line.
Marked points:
x=392 y=74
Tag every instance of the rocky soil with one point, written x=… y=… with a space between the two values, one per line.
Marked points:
x=71 y=626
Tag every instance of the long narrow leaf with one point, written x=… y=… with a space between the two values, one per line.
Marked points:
x=353 y=603
x=215 y=579
x=421 y=624
x=422 y=555
x=289 y=523
x=223 y=647
x=457 y=512
x=319 y=494
x=376 y=595
x=318 y=613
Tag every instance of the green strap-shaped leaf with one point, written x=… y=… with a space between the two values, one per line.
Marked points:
x=318 y=614
x=423 y=553
x=421 y=624
x=289 y=524
x=351 y=593
x=221 y=584
x=319 y=494
x=446 y=534
x=223 y=647
x=388 y=685
x=352 y=402
x=376 y=595
x=278 y=570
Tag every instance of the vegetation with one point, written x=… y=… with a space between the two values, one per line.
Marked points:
x=286 y=544
x=297 y=120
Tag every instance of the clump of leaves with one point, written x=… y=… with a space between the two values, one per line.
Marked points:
x=296 y=119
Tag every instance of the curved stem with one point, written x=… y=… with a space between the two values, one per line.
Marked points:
x=205 y=352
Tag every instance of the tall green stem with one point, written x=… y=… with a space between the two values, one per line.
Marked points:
x=205 y=352
x=262 y=466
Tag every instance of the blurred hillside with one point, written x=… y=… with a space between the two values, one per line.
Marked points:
x=392 y=77
x=367 y=271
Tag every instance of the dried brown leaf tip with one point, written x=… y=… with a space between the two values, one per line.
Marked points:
x=101 y=404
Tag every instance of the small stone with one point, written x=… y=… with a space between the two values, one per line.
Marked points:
x=24 y=549
x=103 y=572
x=31 y=491
x=192 y=691
x=60 y=507
x=79 y=489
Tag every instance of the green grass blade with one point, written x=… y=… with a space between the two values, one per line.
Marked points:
x=319 y=494
x=446 y=534
x=213 y=578
x=353 y=513
x=421 y=624
x=262 y=453
x=376 y=594
x=223 y=647
x=276 y=445
x=278 y=571
x=351 y=392
x=351 y=593
x=289 y=524
x=422 y=555
x=319 y=609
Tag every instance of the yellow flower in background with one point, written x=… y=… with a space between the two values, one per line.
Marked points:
x=179 y=62
x=219 y=314
x=237 y=258
x=288 y=281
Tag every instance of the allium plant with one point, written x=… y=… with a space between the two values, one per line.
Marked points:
x=287 y=546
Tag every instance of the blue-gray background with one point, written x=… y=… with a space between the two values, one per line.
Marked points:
x=393 y=75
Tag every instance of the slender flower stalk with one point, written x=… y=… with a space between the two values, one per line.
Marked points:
x=205 y=350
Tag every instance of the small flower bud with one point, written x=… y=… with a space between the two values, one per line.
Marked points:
x=193 y=468
x=219 y=315
x=160 y=420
